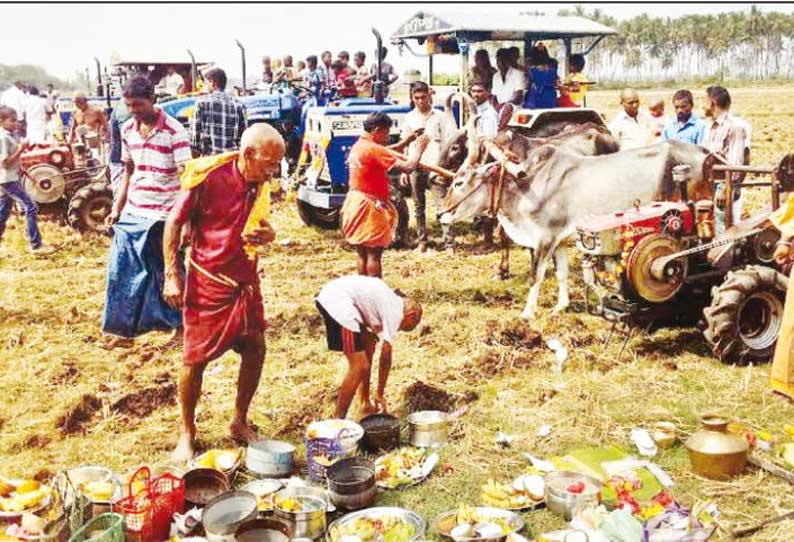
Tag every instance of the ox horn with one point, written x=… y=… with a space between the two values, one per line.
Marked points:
x=499 y=155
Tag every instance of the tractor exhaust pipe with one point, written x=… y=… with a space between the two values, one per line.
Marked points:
x=193 y=71
x=242 y=55
x=378 y=86
x=100 y=91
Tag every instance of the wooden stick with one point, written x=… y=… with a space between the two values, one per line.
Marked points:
x=773 y=469
x=758 y=526
x=447 y=174
x=498 y=154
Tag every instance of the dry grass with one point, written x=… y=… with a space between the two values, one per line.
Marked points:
x=52 y=358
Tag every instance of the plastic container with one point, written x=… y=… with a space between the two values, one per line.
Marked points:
x=148 y=513
x=103 y=528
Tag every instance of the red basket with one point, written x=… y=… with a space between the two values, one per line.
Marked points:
x=148 y=513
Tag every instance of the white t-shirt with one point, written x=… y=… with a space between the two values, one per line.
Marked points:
x=632 y=132
x=504 y=89
x=488 y=125
x=14 y=98
x=356 y=300
x=36 y=117
x=171 y=83
x=438 y=126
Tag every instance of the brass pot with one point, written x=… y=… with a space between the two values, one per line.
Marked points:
x=714 y=452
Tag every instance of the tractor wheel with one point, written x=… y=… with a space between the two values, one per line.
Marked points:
x=746 y=313
x=326 y=219
x=89 y=207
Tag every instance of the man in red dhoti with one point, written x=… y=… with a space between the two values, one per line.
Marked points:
x=369 y=219
x=221 y=300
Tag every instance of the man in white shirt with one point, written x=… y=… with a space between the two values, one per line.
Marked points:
x=488 y=124
x=508 y=83
x=36 y=114
x=631 y=127
x=14 y=97
x=357 y=311
x=439 y=127
x=171 y=83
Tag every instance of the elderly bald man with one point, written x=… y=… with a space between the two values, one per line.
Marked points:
x=87 y=119
x=632 y=127
x=220 y=297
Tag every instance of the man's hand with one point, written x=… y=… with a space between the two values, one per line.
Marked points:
x=416 y=133
x=24 y=143
x=422 y=141
x=262 y=235
x=405 y=180
x=172 y=290
x=782 y=252
x=112 y=218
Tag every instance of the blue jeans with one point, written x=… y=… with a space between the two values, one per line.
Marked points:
x=14 y=191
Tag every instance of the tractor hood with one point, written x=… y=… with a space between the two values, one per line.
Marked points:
x=268 y=106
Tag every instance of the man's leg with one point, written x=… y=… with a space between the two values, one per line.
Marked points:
x=252 y=354
x=356 y=371
x=5 y=210
x=418 y=187
x=439 y=190
x=361 y=262
x=190 y=379
x=374 y=262
x=369 y=349
x=31 y=210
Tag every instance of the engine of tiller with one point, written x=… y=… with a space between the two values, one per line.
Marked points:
x=626 y=256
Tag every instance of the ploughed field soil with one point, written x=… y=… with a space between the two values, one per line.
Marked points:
x=67 y=400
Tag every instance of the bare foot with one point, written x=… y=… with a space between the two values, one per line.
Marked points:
x=243 y=432
x=185 y=448
x=109 y=342
x=367 y=409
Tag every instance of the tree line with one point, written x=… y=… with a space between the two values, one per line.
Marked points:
x=741 y=45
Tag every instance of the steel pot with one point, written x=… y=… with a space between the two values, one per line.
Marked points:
x=351 y=483
x=203 y=485
x=270 y=458
x=381 y=432
x=561 y=501
x=304 y=524
x=225 y=513
x=263 y=530
x=714 y=452
x=429 y=428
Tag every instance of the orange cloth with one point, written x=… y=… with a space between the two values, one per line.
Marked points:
x=781 y=378
x=368 y=221
x=369 y=162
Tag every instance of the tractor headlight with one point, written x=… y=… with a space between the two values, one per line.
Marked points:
x=57 y=158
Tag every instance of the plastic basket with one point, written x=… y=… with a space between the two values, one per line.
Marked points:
x=331 y=449
x=77 y=507
x=107 y=527
x=148 y=512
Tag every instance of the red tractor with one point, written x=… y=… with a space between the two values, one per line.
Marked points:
x=66 y=177
x=661 y=264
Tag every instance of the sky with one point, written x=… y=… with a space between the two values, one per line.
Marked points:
x=65 y=38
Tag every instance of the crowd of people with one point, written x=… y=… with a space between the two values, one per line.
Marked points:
x=327 y=77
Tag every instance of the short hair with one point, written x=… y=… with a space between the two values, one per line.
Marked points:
x=327 y=53
x=480 y=83
x=683 y=94
x=6 y=113
x=311 y=59
x=217 y=76
x=502 y=53
x=419 y=86
x=139 y=87
x=337 y=65
x=50 y=85
x=577 y=61
x=720 y=96
x=377 y=120
x=360 y=54
x=33 y=91
x=343 y=54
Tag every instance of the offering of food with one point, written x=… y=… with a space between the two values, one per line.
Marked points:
x=483 y=523
x=404 y=467
x=18 y=496
x=220 y=460
x=97 y=491
x=296 y=504
x=264 y=491
x=31 y=527
x=380 y=524
x=525 y=492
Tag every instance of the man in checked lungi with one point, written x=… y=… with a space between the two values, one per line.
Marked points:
x=220 y=297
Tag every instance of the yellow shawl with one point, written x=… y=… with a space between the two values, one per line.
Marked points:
x=197 y=170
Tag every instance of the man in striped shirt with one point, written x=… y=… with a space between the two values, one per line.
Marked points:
x=154 y=149
x=218 y=120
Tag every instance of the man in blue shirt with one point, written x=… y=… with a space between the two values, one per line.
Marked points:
x=686 y=127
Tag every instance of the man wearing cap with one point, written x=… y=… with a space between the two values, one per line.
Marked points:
x=221 y=301
x=369 y=219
